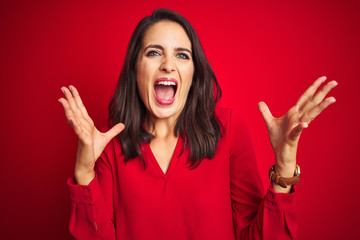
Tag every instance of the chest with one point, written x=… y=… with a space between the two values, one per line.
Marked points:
x=175 y=201
x=163 y=151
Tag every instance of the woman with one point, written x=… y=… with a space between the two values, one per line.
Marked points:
x=172 y=165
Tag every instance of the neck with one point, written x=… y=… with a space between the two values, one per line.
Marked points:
x=160 y=128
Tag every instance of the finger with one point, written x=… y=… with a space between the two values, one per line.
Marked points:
x=70 y=99
x=295 y=133
x=307 y=95
x=78 y=100
x=313 y=113
x=75 y=110
x=79 y=131
x=67 y=109
x=265 y=112
x=115 y=130
x=75 y=125
x=320 y=95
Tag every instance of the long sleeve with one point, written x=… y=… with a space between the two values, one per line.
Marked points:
x=92 y=212
x=222 y=198
x=255 y=216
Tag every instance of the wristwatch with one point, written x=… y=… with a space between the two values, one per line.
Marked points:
x=284 y=182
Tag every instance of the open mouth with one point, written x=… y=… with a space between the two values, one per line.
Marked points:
x=165 y=90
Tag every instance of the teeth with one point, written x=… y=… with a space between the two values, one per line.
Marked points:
x=166 y=83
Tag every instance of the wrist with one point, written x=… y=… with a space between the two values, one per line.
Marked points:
x=285 y=183
x=285 y=157
x=84 y=177
x=285 y=169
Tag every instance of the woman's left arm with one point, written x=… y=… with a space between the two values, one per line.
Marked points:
x=284 y=132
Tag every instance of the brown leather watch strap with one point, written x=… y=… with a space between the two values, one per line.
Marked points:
x=284 y=182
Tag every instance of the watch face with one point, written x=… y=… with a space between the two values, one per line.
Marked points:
x=297 y=170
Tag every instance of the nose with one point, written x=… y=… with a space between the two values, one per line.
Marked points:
x=167 y=65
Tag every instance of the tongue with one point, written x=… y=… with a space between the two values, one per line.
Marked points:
x=164 y=92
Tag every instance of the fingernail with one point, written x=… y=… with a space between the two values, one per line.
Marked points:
x=62 y=90
x=70 y=88
x=59 y=100
x=335 y=83
x=323 y=78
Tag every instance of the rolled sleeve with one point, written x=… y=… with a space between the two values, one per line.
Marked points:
x=84 y=194
x=280 y=201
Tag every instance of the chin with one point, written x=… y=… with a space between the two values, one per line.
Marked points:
x=162 y=112
x=165 y=113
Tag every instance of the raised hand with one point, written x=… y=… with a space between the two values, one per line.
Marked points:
x=91 y=141
x=284 y=132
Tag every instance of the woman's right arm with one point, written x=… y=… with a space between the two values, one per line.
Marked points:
x=90 y=189
x=91 y=141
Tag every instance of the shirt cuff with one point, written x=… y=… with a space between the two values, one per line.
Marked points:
x=84 y=194
x=280 y=201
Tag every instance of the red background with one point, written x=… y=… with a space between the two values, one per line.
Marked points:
x=263 y=50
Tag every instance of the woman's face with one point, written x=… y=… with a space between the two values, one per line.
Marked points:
x=165 y=69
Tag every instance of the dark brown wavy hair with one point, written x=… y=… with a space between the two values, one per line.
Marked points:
x=196 y=123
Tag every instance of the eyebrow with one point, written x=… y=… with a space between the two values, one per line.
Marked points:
x=162 y=48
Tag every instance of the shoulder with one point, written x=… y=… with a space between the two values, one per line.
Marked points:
x=230 y=119
x=236 y=135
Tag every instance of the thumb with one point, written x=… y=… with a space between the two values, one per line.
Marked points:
x=115 y=130
x=265 y=113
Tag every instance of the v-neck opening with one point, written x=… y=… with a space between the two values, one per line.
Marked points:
x=173 y=161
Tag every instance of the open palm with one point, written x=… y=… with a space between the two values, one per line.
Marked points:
x=91 y=141
x=284 y=132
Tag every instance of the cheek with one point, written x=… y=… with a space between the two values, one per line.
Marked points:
x=143 y=90
x=142 y=80
x=188 y=77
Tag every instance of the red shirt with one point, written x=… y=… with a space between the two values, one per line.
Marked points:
x=220 y=199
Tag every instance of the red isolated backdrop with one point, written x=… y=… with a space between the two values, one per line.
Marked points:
x=263 y=50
